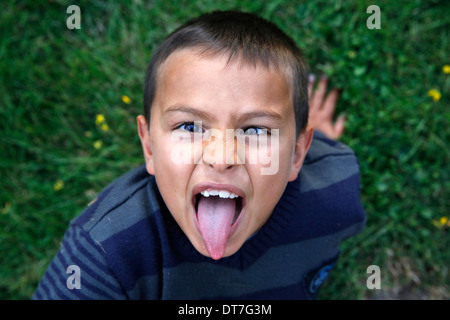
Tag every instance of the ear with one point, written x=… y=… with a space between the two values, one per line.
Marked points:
x=301 y=148
x=144 y=135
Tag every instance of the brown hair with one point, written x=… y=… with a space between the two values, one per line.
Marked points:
x=243 y=36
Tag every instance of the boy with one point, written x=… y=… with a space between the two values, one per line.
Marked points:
x=209 y=216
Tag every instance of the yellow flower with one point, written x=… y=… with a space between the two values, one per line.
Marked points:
x=442 y=222
x=98 y=144
x=59 y=184
x=435 y=94
x=446 y=69
x=126 y=99
x=99 y=119
x=104 y=127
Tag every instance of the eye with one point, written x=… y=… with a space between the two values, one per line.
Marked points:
x=190 y=127
x=256 y=131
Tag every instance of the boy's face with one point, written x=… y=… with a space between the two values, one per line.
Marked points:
x=224 y=98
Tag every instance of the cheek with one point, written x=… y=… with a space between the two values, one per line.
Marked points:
x=270 y=180
x=179 y=148
x=274 y=156
x=171 y=172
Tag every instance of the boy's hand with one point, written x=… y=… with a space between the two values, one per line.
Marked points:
x=321 y=109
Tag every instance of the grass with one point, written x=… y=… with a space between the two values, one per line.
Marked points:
x=54 y=81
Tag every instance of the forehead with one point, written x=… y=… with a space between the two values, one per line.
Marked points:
x=190 y=75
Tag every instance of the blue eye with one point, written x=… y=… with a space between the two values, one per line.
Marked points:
x=255 y=131
x=190 y=127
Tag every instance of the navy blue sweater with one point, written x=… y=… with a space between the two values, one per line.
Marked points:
x=126 y=244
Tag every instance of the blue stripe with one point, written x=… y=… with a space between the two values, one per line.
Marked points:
x=55 y=282
x=327 y=171
x=96 y=284
x=138 y=242
x=87 y=274
x=41 y=292
x=105 y=279
x=316 y=213
x=60 y=269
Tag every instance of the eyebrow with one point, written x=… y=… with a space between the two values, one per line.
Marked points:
x=241 y=117
x=259 y=114
x=186 y=109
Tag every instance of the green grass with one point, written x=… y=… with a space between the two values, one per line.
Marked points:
x=54 y=81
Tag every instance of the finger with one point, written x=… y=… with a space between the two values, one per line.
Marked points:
x=339 y=126
x=319 y=94
x=330 y=104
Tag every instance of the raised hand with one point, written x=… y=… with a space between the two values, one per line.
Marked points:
x=321 y=109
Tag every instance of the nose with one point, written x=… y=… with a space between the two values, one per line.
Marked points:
x=219 y=151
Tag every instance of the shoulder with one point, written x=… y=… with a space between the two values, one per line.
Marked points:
x=104 y=242
x=124 y=201
x=322 y=146
x=122 y=223
x=330 y=191
x=327 y=162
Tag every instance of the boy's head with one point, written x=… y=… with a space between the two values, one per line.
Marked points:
x=226 y=86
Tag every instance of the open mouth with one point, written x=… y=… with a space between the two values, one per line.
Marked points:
x=217 y=213
x=216 y=194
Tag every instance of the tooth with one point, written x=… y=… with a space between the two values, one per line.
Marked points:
x=221 y=193
x=224 y=194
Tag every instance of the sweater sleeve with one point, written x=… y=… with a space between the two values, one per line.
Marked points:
x=79 y=271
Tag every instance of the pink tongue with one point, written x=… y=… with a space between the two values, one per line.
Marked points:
x=214 y=217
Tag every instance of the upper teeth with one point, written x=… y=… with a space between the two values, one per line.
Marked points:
x=220 y=193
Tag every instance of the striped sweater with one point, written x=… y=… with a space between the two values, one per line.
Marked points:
x=126 y=245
